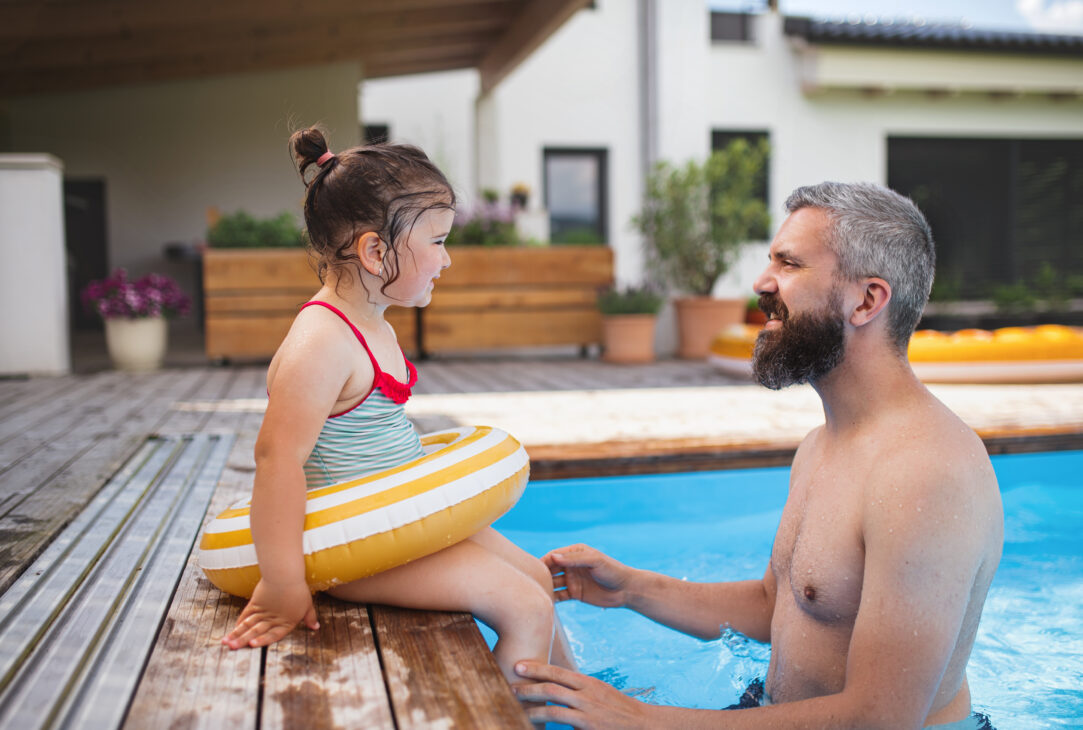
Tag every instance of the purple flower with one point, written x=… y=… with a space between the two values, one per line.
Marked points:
x=153 y=295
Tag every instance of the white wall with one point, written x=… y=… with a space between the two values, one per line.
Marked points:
x=579 y=89
x=170 y=151
x=33 y=279
x=842 y=135
x=433 y=111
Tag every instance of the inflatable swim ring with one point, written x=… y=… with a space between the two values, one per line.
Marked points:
x=1048 y=353
x=468 y=477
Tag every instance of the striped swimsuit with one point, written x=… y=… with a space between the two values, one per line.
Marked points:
x=373 y=435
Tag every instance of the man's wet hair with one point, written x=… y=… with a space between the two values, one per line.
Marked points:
x=875 y=231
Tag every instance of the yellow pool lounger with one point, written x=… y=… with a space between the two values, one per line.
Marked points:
x=1047 y=353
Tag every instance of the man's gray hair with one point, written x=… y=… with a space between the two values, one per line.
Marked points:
x=877 y=232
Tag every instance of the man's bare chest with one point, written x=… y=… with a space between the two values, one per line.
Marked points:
x=818 y=557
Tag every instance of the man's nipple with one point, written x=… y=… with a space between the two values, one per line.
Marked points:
x=810 y=593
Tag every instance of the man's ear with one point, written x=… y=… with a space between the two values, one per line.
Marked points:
x=371 y=250
x=876 y=294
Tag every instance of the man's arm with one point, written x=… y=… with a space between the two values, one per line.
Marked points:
x=701 y=609
x=920 y=568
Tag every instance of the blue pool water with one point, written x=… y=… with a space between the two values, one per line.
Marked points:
x=1026 y=670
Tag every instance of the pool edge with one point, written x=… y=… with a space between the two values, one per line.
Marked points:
x=654 y=456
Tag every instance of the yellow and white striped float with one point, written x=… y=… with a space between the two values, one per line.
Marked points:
x=468 y=478
x=1048 y=353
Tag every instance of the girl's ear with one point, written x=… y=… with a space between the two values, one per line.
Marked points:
x=371 y=249
x=875 y=296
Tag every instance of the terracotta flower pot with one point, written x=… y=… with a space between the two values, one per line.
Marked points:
x=628 y=338
x=699 y=319
x=136 y=345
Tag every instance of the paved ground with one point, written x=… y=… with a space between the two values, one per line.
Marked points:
x=559 y=399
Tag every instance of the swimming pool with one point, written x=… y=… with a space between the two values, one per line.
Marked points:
x=1026 y=670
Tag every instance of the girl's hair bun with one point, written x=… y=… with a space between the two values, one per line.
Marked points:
x=308 y=146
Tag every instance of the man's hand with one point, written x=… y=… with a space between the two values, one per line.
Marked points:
x=581 y=701
x=582 y=573
x=271 y=613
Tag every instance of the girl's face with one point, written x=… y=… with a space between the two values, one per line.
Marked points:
x=422 y=259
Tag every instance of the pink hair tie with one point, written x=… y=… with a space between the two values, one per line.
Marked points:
x=328 y=155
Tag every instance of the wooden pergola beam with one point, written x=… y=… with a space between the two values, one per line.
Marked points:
x=31 y=19
x=534 y=24
x=48 y=47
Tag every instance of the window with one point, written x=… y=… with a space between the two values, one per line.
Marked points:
x=720 y=139
x=731 y=26
x=1002 y=211
x=576 y=194
x=375 y=133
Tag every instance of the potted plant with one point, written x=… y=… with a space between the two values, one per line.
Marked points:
x=135 y=315
x=753 y=313
x=628 y=320
x=694 y=220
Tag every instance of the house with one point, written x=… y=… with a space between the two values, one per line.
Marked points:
x=145 y=115
x=983 y=129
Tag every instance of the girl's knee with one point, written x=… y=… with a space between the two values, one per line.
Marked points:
x=540 y=574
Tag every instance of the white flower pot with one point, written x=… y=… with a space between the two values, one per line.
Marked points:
x=136 y=345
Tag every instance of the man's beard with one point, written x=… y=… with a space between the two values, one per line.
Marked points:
x=806 y=347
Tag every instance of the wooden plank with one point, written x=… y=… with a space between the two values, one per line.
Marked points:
x=541 y=297
x=233 y=302
x=559 y=265
x=328 y=678
x=33 y=427
x=440 y=672
x=43 y=493
x=191 y=680
x=112 y=575
x=477 y=330
x=259 y=335
x=19 y=395
x=212 y=387
x=269 y=269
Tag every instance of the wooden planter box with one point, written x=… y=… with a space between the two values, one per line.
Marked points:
x=517 y=297
x=251 y=297
x=490 y=298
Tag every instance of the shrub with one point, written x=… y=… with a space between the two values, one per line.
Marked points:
x=630 y=300
x=241 y=230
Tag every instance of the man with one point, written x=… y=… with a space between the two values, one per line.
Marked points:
x=892 y=529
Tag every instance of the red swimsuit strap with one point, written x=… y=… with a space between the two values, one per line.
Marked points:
x=397 y=391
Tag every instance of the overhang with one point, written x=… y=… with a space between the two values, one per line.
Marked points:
x=50 y=47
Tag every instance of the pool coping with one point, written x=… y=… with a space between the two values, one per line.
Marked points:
x=654 y=456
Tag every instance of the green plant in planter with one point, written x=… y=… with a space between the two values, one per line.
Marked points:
x=630 y=300
x=241 y=230
x=695 y=218
x=488 y=224
x=1014 y=298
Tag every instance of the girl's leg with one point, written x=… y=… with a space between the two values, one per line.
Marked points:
x=469 y=577
x=493 y=541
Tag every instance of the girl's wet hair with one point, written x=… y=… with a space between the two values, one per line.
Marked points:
x=383 y=188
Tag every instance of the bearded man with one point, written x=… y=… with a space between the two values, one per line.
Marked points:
x=893 y=526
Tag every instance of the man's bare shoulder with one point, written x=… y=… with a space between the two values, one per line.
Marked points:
x=930 y=454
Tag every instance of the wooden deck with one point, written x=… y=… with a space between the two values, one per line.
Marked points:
x=153 y=658
x=62 y=441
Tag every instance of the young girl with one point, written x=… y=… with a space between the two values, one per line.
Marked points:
x=377 y=218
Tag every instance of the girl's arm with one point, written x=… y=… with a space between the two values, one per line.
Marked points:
x=307 y=378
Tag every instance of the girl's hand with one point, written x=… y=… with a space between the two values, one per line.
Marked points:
x=582 y=573
x=271 y=613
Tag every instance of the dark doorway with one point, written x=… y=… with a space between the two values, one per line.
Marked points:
x=84 y=233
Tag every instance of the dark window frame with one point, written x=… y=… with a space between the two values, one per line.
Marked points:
x=722 y=137
x=998 y=209
x=602 y=156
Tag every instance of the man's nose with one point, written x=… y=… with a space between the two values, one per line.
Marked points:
x=765 y=283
